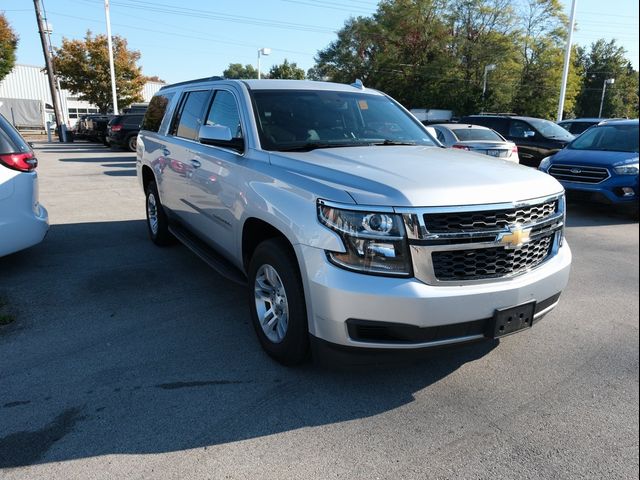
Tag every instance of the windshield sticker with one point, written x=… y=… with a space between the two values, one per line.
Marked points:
x=363 y=105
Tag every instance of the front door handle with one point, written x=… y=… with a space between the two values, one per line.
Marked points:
x=195 y=163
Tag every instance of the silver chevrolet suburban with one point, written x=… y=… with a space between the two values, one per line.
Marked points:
x=350 y=224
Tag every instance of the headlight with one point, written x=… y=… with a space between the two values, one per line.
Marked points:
x=628 y=169
x=544 y=164
x=374 y=242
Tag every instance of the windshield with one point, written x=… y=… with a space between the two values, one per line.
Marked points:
x=617 y=138
x=549 y=129
x=304 y=119
x=466 y=134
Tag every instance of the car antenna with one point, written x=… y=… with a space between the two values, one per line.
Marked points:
x=358 y=84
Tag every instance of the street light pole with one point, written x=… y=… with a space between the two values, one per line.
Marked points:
x=567 y=60
x=488 y=68
x=57 y=109
x=608 y=81
x=262 y=51
x=111 y=66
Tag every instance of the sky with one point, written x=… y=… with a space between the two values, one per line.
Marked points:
x=186 y=39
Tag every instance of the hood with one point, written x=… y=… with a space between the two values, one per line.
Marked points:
x=597 y=158
x=417 y=176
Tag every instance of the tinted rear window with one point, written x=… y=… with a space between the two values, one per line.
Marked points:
x=155 y=112
x=466 y=134
x=10 y=140
x=132 y=120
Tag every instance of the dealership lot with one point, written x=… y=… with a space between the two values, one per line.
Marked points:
x=126 y=360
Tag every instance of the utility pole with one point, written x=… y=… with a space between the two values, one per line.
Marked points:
x=50 y=74
x=567 y=60
x=114 y=96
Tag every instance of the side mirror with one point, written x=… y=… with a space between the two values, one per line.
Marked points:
x=529 y=133
x=219 y=136
x=214 y=133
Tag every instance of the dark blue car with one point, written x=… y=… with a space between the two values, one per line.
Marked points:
x=601 y=163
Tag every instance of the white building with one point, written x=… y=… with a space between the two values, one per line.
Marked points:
x=25 y=99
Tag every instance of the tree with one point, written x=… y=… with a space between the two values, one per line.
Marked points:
x=8 y=45
x=607 y=60
x=287 y=70
x=236 y=70
x=543 y=36
x=83 y=67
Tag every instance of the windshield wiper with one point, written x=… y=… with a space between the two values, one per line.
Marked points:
x=307 y=147
x=393 y=142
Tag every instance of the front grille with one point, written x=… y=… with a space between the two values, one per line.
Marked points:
x=488 y=219
x=494 y=262
x=580 y=174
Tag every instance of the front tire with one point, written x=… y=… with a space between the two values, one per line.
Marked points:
x=277 y=304
x=157 y=223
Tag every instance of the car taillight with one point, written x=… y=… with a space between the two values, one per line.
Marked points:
x=461 y=147
x=116 y=128
x=23 y=162
x=514 y=149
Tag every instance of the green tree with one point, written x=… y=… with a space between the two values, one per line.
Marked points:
x=83 y=67
x=236 y=70
x=8 y=45
x=607 y=60
x=543 y=37
x=287 y=70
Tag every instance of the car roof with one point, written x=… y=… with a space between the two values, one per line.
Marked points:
x=620 y=121
x=584 y=119
x=268 y=84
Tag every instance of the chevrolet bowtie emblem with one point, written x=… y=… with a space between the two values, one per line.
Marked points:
x=515 y=237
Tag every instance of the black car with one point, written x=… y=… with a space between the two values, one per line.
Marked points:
x=96 y=128
x=579 y=125
x=536 y=138
x=123 y=130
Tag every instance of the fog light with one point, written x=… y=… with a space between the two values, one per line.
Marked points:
x=628 y=192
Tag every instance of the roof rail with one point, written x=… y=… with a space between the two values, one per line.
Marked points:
x=197 y=80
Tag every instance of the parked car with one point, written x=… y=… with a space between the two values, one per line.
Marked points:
x=122 y=131
x=23 y=220
x=602 y=163
x=578 y=125
x=475 y=138
x=96 y=128
x=350 y=226
x=536 y=138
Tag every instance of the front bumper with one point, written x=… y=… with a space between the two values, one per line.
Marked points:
x=335 y=296
x=609 y=191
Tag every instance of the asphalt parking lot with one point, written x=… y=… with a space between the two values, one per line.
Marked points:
x=126 y=360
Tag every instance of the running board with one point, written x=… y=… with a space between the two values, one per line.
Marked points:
x=210 y=256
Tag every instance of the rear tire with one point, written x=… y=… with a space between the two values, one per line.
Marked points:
x=132 y=141
x=277 y=304
x=157 y=223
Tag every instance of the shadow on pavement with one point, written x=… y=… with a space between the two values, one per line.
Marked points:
x=591 y=214
x=122 y=347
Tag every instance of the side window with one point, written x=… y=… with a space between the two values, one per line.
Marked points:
x=440 y=136
x=156 y=111
x=224 y=111
x=189 y=118
x=518 y=128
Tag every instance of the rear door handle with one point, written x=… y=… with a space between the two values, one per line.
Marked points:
x=166 y=152
x=195 y=163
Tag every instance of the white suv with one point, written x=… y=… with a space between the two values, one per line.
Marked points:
x=350 y=226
